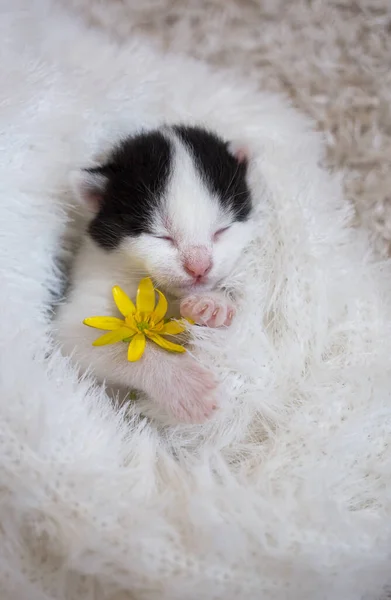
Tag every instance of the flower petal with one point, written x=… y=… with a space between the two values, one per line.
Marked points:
x=165 y=343
x=136 y=347
x=161 y=308
x=123 y=302
x=145 y=296
x=107 y=323
x=131 y=323
x=172 y=328
x=113 y=336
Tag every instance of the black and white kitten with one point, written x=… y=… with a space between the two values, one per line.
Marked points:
x=172 y=204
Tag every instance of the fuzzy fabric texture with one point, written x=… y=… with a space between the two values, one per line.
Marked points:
x=331 y=58
x=286 y=492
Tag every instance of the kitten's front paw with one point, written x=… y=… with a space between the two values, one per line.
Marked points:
x=209 y=310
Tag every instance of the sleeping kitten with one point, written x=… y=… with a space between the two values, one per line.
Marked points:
x=173 y=204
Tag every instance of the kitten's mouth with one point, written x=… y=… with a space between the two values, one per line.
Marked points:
x=199 y=282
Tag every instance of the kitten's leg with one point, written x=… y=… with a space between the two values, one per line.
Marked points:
x=212 y=309
x=177 y=382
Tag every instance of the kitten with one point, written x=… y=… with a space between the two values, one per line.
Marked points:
x=171 y=203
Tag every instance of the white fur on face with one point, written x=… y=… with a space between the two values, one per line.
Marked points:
x=190 y=223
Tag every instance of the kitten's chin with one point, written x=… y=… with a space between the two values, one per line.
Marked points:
x=181 y=291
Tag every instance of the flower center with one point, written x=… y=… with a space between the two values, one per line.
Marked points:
x=142 y=325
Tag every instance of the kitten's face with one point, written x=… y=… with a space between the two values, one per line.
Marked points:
x=175 y=205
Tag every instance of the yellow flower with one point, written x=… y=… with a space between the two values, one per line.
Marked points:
x=145 y=320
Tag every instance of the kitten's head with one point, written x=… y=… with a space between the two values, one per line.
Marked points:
x=174 y=202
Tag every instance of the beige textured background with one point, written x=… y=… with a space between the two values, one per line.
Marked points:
x=332 y=58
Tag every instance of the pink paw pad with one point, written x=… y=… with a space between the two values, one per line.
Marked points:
x=208 y=310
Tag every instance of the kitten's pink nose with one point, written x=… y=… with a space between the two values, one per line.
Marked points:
x=198 y=261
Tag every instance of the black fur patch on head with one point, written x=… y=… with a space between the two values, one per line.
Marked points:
x=221 y=171
x=137 y=174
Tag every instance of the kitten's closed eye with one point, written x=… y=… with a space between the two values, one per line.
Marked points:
x=219 y=232
x=216 y=235
x=164 y=237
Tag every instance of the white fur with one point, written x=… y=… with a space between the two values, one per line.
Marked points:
x=285 y=493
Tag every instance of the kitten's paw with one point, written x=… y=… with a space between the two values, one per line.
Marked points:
x=209 y=310
x=192 y=397
x=185 y=388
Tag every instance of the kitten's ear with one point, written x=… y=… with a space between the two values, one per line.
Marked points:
x=240 y=152
x=89 y=186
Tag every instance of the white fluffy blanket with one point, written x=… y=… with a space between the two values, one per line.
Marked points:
x=286 y=493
